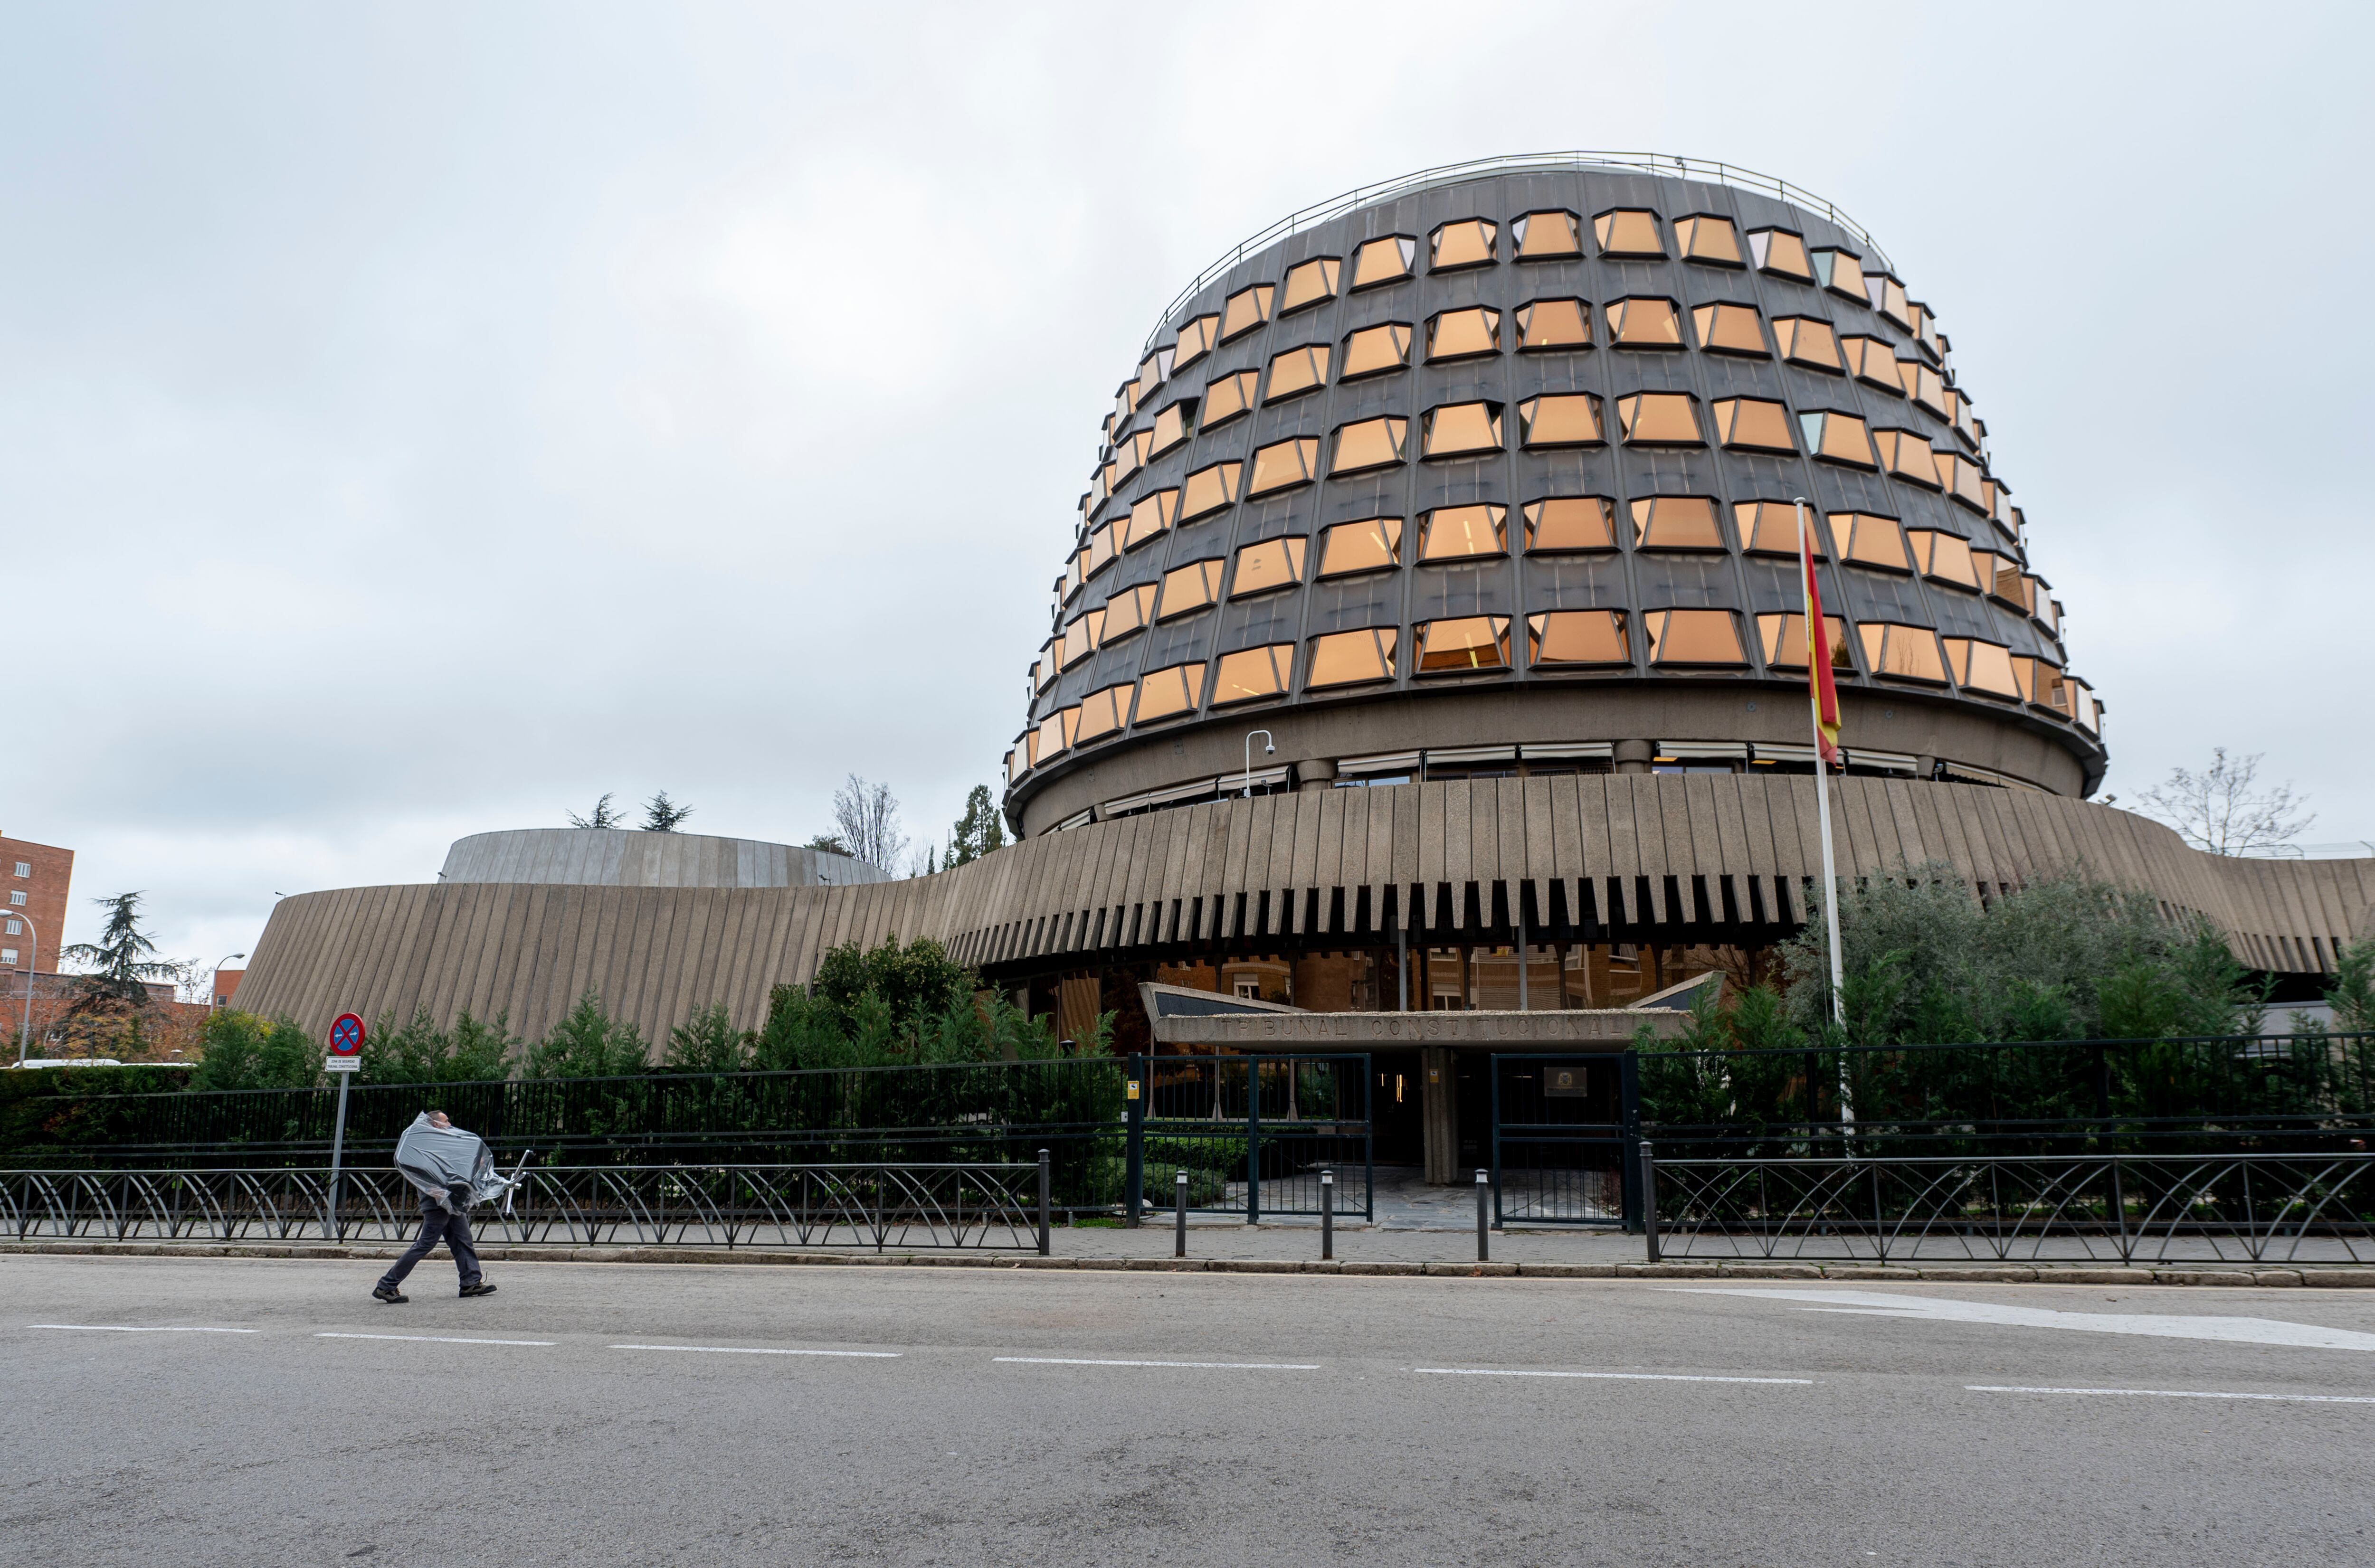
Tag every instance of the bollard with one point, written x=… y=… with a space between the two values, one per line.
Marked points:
x=1483 y=1217
x=1180 y=1230
x=1043 y=1202
x=1649 y=1199
x=1327 y=1216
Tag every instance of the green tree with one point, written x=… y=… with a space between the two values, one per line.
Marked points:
x=419 y=1052
x=121 y=964
x=662 y=815
x=979 y=831
x=829 y=843
x=916 y=982
x=243 y=1051
x=2352 y=996
x=2066 y=957
x=588 y=1043
x=604 y=817
x=708 y=1043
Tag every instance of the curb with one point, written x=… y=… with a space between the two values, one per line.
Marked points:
x=2344 y=1277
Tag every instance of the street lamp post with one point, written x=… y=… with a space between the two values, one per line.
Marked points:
x=25 y=1030
x=214 y=994
x=1270 y=748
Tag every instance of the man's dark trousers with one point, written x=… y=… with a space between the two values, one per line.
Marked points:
x=438 y=1225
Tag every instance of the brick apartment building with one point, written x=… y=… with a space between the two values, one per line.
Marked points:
x=34 y=879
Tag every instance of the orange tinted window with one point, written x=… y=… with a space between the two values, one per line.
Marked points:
x=1191 y=587
x=1902 y=653
x=1644 y=323
x=1468 y=242
x=1454 y=533
x=1577 y=637
x=1209 y=489
x=1806 y=341
x=1457 y=428
x=1364 y=545
x=1546 y=235
x=1284 y=464
x=1273 y=563
x=1706 y=239
x=1229 y=396
x=1560 y=418
x=1752 y=424
x=1371 y=444
x=1659 y=419
x=1783 y=640
x=1384 y=260
x=1729 y=329
x=1455 y=334
x=1375 y=348
x=1553 y=323
x=1348 y=658
x=1245 y=310
x=1628 y=232
x=1677 y=523
x=1696 y=637
x=1778 y=251
x=1294 y=371
x=1310 y=282
x=1473 y=643
x=1252 y=673
x=1171 y=692
x=1571 y=523
x=1871 y=541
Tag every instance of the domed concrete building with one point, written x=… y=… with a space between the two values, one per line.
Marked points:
x=1430 y=638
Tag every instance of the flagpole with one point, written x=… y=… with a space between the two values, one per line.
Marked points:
x=1823 y=813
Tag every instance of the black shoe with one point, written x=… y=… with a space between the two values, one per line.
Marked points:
x=388 y=1294
x=481 y=1289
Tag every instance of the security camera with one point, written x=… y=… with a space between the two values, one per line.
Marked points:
x=1267 y=750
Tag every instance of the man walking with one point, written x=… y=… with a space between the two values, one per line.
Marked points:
x=453 y=1170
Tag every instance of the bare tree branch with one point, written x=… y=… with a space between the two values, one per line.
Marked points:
x=868 y=815
x=2223 y=809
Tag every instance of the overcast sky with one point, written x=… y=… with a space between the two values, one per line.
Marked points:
x=420 y=419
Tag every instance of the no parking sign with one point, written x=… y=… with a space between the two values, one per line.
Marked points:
x=346 y=1043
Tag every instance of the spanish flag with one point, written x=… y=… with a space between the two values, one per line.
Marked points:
x=1820 y=688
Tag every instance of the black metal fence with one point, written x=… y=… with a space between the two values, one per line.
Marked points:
x=2280 y=1092
x=2254 y=1207
x=879 y=1206
x=1251 y=1132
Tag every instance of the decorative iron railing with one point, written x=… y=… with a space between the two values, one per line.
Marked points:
x=997 y=1207
x=2312 y=1207
x=1659 y=163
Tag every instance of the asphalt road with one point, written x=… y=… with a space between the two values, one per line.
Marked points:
x=638 y=1414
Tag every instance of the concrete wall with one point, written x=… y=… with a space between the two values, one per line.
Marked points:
x=1254 y=871
x=620 y=858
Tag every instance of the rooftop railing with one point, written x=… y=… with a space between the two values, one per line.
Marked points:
x=1667 y=164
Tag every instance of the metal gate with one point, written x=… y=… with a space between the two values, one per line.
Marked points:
x=1565 y=1139
x=1253 y=1133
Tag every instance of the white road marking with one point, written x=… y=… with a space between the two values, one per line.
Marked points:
x=2164 y=1325
x=2178 y=1394
x=1212 y=1366
x=141 y=1329
x=1619 y=1376
x=757 y=1351
x=437 y=1339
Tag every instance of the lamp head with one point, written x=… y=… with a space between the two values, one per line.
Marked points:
x=1267 y=750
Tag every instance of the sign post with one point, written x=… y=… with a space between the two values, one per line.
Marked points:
x=346 y=1056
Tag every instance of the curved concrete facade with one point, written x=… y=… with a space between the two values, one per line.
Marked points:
x=621 y=858
x=1505 y=457
x=1654 y=858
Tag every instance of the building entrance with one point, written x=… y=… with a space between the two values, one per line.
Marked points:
x=1397 y=1107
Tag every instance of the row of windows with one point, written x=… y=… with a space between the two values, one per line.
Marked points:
x=1540 y=324
x=1549 y=421
x=1681 y=640
x=1555 y=525
x=1622 y=234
